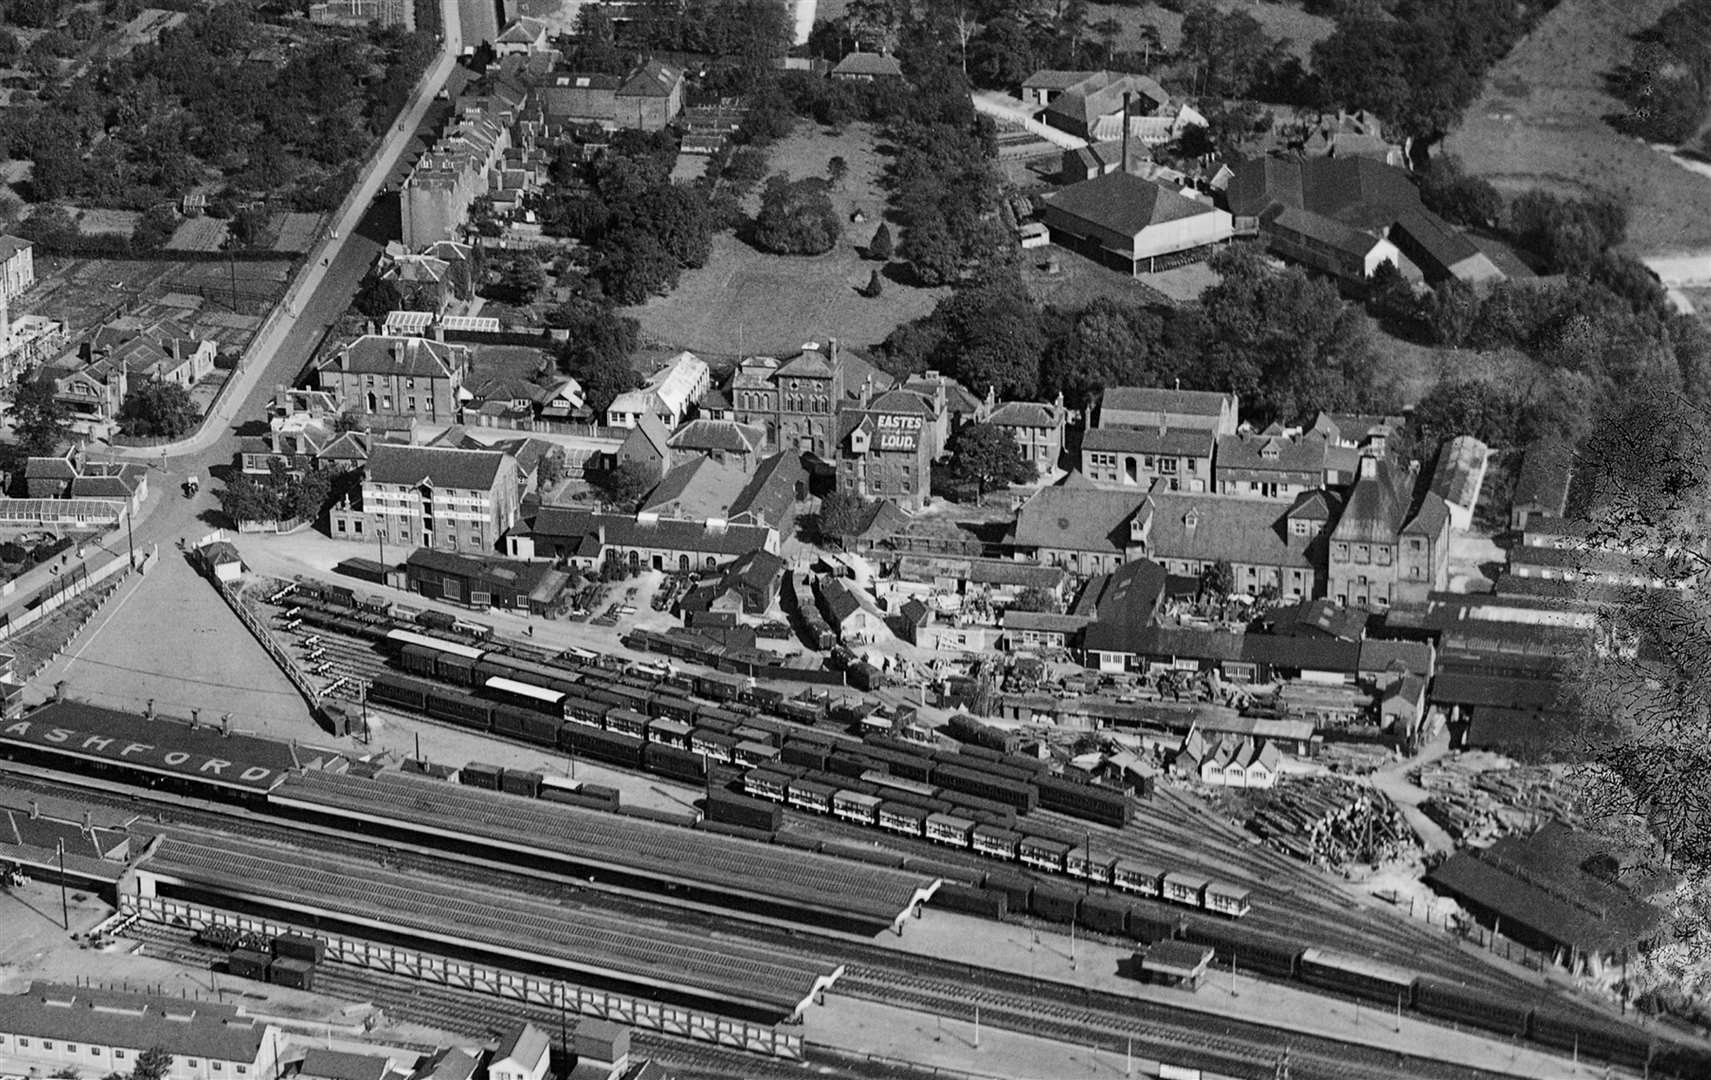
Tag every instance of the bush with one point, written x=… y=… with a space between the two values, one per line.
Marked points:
x=796 y=218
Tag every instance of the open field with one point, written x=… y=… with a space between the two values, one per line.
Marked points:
x=1540 y=123
x=1077 y=280
x=1281 y=20
x=746 y=301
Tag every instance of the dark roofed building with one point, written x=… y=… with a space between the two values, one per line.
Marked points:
x=1268 y=547
x=586 y=538
x=321 y=1063
x=397 y=377
x=1080 y=106
x=1391 y=542
x=867 y=67
x=1037 y=428
x=1541 y=487
x=1140 y=457
x=1131 y=224
x=434 y=497
x=1273 y=465
x=1153 y=407
x=483 y=582
x=772 y=491
x=1077 y=527
x=1556 y=891
x=1128 y=602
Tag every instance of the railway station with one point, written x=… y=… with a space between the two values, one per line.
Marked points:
x=413 y=917
x=153 y=750
x=800 y=885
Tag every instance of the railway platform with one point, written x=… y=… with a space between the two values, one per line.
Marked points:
x=1047 y=955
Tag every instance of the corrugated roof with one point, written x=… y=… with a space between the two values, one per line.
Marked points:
x=1125 y=203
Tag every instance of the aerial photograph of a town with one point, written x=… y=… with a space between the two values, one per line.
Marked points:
x=855 y=539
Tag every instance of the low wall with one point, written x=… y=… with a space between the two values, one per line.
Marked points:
x=58 y=597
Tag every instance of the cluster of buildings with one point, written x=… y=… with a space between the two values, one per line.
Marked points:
x=95 y=1030
x=27 y=340
x=1336 y=198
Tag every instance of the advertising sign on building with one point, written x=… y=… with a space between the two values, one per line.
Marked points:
x=898 y=432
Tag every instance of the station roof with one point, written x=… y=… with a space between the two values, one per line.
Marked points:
x=585 y=941
x=1180 y=959
x=817 y=884
x=162 y=746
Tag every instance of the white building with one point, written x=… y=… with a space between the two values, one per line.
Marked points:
x=667 y=394
x=523 y=1054
x=50 y=1027
x=17 y=266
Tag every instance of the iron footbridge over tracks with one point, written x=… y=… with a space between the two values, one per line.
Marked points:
x=655 y=977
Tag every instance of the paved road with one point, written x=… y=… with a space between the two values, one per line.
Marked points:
x=317 y=299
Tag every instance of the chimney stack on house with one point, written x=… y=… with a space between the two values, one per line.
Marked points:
x=1126 y=96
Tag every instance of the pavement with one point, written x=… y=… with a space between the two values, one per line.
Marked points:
x=1049 y=955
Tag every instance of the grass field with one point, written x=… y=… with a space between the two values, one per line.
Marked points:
x=746 y=301
x=1284 y=21
x=1541 y=123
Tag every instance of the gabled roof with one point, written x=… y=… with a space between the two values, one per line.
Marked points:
x=1076 y=519
x=1378 y=504
x=809 y=363
x=624 y=531
x=652 y=79
x=1029 y=414
x=324 y=1064
x=901 y=402
x=1546 y=469
x=442 y=467
x=1170 y=441
x=82 y=1014
x=417 y=357
x=860 y=63
x=1128 y=600
x=524 y=31
x=771 y=490
x=958 y=399
x=11 y=245
x=724 y=435
x=1053 y=79
x=523 y=1044
x=1461 y=466
x=1125 y=203
x=652 y=431
x=1209 y=528
x=1256 y=452
x=757 y=571
x=1207 y=403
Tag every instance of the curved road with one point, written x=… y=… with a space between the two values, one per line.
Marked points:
x=313 y=303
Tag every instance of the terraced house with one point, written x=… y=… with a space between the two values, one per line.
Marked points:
x=397 y=377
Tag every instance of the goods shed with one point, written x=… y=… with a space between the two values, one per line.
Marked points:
x=799 y=885
x=417 y=912
x=1174 y=963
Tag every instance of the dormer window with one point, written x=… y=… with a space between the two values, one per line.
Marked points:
x=1270 y=452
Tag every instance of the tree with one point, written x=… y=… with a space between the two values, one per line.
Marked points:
x=1035 y=598
x=604 y=379
x=836 y=170
x=1450 y=311
x=623 y=488
x=875 y=286
x=378 y=298
x=931 y=251
x=880 y=246
x=553 y=468
x=1463 y=199
x=634 y=265
x=1641 y=693
x=1108 y=343
x=841 y=514
x=1217 y=579
x=155 y=227
x=796 y=218
x=157 y=408
x=984 y=455
x=153 y=1064
x=1390 y=294
x=39 y=420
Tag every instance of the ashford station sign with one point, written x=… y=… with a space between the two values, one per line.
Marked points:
x=898 y=432
x=120 y=749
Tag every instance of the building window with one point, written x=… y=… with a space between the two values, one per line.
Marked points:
x=219 y=1066
x=1383 y=553
x=94 y=1051
x=1299 y=527
x=193 y=1063
x=71 y=1048
x=1363 y=554
x=339 y=524
x=46 y=1045
x=24 y=1043
x=1415 y=544
x=119 y=1054
x=1340 y=552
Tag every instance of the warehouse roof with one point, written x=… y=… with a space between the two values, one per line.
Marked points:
x=320 y=1063
x=439 y=466
x=1174 y=441
x=728 y=864
x=1125 y=204
x=1077 y=518
x=82 y=1014
x=584 y=940
x=1536 y=882
x=162 y=746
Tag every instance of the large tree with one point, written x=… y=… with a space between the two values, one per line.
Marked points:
x=796 y=217
x=39 y=420
x=983 y=456
x=163 y=409
x=623 y=488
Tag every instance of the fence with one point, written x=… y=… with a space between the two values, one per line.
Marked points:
x=287 y=663
x=58 y=595
x=532 y=989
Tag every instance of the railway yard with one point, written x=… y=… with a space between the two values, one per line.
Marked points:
x=813 y=886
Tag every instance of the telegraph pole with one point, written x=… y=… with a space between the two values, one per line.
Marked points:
x=64 y=905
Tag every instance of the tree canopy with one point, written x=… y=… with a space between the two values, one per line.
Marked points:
x=623 y=488
x=158 y=408
x=983 y=456
x=796 y=217
x=39 y=421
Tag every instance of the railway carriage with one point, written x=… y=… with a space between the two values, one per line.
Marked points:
x=1465 y=1004
x=716 y=745
x=1357 y=975
x=464 y=710
x=1042 y=854
x=811 y=795
x=902 y=818
x=627 y=722
x=1227 y=899
x=750 y=752
x=526 y=695
x=856 y=806
x=949 y=829
x=1132 y=875
x=668 y=732
x=585 y=711
x=995 y=842
x=1093 y=866
x=766 y=784
x=671 y=707
x=1182 y=887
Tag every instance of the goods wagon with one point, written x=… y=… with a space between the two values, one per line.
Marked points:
x=732 y=809
x=800 y=752
x=418 y=660
x=608 y=746
x=464 y=710
x=296 y=974
x=219 y=937
x=1086 y=801
x=400 y=691
x=249 y=964
x=478 y=775
x=1147 y=927
x=991 y=903
x=849 y=765
x=521 y=782
x=1016 y=889
x=1105 y=915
